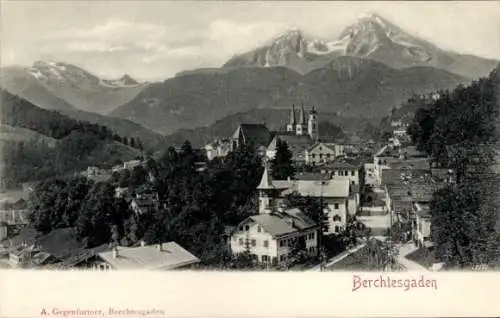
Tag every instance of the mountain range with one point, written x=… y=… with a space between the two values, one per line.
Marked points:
x=370 y=36
x=370 y=68
x=348 y=86
x=63 y=86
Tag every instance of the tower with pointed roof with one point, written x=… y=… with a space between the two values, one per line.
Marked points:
x=266 y=190
x=312 y=125
x=291 y=125
x=300 y=128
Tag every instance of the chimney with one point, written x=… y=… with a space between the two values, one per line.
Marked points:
x=115 y=252
x=159 y=247
x=143 y=243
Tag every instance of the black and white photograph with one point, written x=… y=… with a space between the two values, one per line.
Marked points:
x=253 y=136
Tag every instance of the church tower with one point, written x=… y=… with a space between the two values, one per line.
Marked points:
x=266 y=191
x=291 y=125
x=312 y=125
x=301 y=125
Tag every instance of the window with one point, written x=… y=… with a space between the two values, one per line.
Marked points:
x=313 y=156
x=241 y=241
x=336 y=206
x=282 y=243
x=282 y=258
x=254 y=243
x=336 y=218
x=266 y=243
x=247 y=227
x=241 y=228
x=264 y=259
x=259 y=229
x=337 y=229
x=353 y=173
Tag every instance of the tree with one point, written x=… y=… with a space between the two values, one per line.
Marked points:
x=282 y=165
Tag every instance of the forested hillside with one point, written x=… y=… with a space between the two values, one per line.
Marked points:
x=458 y=131
x=78 y=144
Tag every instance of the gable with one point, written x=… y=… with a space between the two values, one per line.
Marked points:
x=322 y=148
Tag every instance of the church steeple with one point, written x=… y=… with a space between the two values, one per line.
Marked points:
x=302 y=118
x=291 y=124
x=266 y=190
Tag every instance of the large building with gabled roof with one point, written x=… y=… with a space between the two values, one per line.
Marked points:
x=338 y=195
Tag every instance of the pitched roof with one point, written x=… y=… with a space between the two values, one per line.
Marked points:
x=322 y=144
x=257 y=134
x=150 y=257
x=412 y=152
x=312 y=176
x=422 y=192
x=337 y=165
x=289 y=221
x=61 y=242
x=330 y=188
x=265 y=181
x=296 y=144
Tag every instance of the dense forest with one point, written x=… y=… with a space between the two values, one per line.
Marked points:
x=458 y=131
x=78 y=144
x=193 y=207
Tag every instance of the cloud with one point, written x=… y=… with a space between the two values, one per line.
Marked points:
x=172 y=47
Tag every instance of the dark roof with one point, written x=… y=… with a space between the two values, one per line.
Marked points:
x=412 y=152
x=337 y=165
x=413 y=163
x=61 y=242
x=256 y=134
x=82 y=255
x=424 y=211
x=422 y=192
x=312 y=176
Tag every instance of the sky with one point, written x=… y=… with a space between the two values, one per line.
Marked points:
x=153 y=40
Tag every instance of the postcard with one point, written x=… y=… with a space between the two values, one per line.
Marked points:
x=184 y=159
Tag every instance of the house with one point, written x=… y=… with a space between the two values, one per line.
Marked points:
x=321 y=153
x=380 y=161
x=272 y=235
x=14 y=213
x=218 y=148
x=20 y=256
x=131 y=164
x=422 y=225
x=336 y=194
x=340 y=170
x=142 y=205
x=163 y=256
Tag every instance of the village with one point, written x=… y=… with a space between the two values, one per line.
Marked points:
x=368 y=196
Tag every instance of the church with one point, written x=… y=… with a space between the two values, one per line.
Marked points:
x=300 y=134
